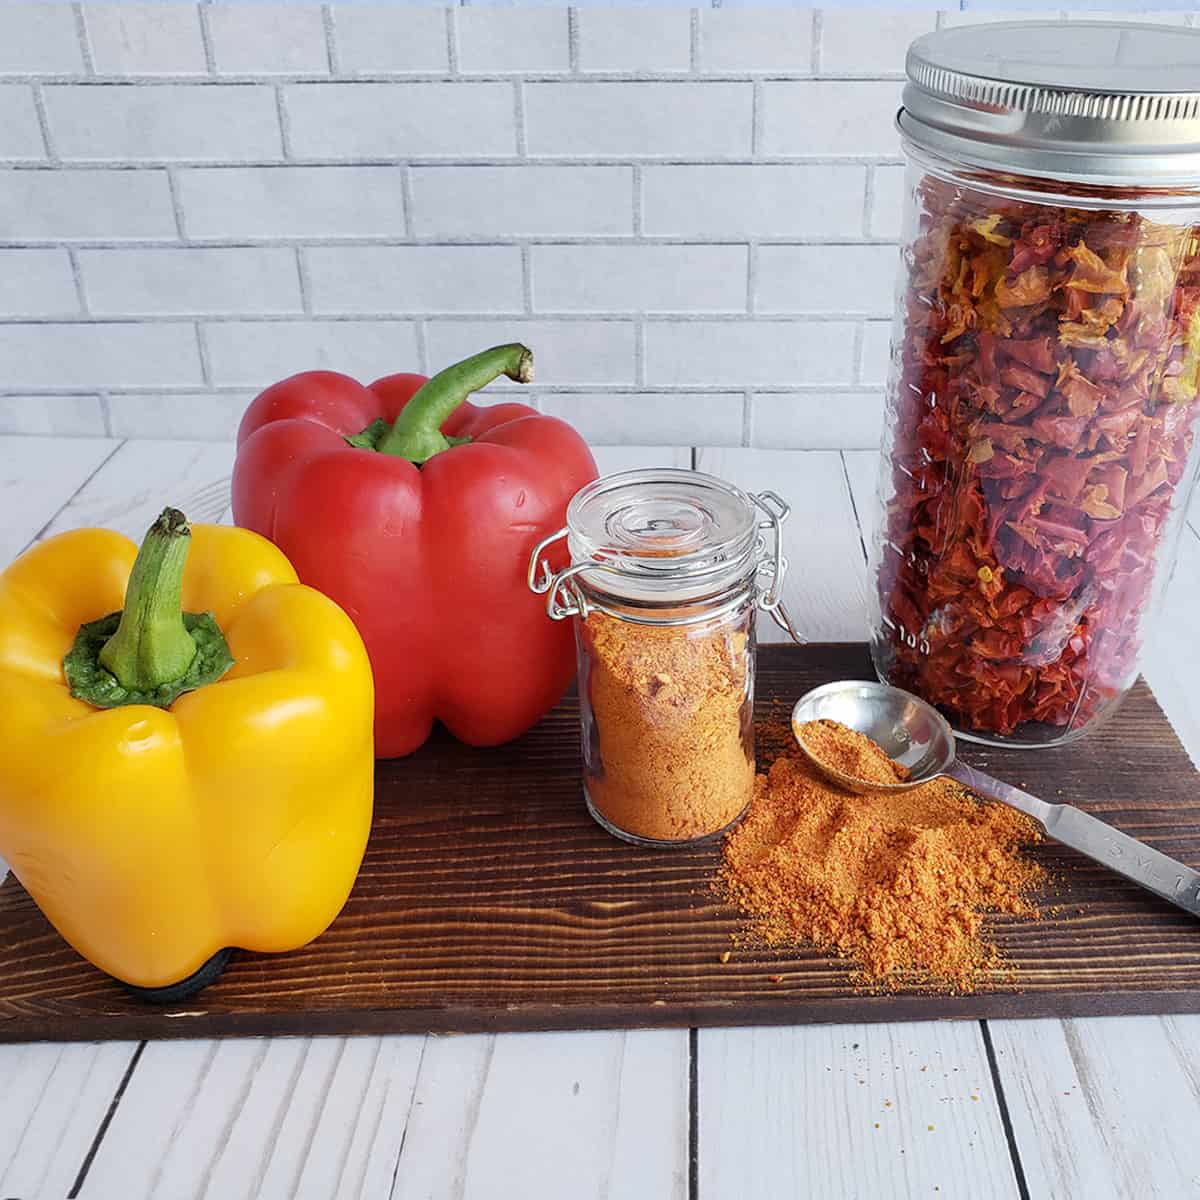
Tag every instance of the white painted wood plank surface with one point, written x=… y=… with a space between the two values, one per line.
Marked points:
x=849 y=1111
x=1109 y=1106
x=793 y=1111
x=475 y=1117
x=37 y=477
x=1104 y=1107
x=825 y=590
x=143 y=478
x=631 y=458
x=53 y=1099
x=270 y=1118
x=585 y=1115
x=321 y=1117
x=286 y=1139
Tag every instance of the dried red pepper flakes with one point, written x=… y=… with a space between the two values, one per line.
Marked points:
x=1043 y=420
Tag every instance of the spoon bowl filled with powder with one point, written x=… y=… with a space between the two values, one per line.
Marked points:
x=841 y=751
x=869 y=738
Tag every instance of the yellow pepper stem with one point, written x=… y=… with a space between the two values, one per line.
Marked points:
x=150 y=652
x=151 y=646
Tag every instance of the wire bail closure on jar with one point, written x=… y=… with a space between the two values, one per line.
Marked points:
x=565 y=598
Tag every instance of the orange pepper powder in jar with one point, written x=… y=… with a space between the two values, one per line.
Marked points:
x=672 y=757
x=667 y=570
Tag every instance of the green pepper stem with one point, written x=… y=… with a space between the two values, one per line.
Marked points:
x=151 y=646
x=417 y=433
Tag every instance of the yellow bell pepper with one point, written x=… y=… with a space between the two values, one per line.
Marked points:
x=155 y=834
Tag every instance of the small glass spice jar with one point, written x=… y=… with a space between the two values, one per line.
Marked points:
x=1040 y=433
x=668 y=568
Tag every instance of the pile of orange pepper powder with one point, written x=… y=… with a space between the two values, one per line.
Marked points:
x=674 y=723
x=897 y=883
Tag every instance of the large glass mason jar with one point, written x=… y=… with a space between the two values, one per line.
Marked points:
x=1039 y=441
x=667 y=570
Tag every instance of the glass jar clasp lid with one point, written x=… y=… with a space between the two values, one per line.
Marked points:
x=565 y=599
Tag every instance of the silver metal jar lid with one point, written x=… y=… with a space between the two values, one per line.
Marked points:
x=1089 y=101
x=662 y=538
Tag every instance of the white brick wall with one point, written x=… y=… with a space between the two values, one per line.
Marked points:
x=67 y=205
x=873 y=361
x=757 y=41
x=291 y=202
x=38 y=38
x=42 y=414
x=825 y=279
x=144 y=39
x=639 y=119
x=691 y=215
x=749 y=353
x=37 y=283
x=634 y=40
x=118 y=123
x=819 y=117
x=244 y=353
x=495 y=41
x=522 y=201
x=370 y=38
x=400 y=120
x=415 y=279
x=580 y=353
x=647 y=278
x=267 y=39
x=858 y=43
x=20 y=136
x=635 y=418
x=752 y=200
x=175 y=281
x=58 y=356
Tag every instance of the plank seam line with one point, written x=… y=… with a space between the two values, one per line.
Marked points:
x=232 y=1115
x=369 y=1153
x=62 y=508
x=1179 y=1049
x=1014 y=1153
x=412 y=1100
x=693 y=1114
x=314 y=1127
x=185 y=1114
x=352 y=1130
x=89 y=1158
x=31 y=1111
x=287 y=1094
x=470 y=1124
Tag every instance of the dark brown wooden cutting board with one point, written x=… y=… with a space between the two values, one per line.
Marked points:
x=489 y=900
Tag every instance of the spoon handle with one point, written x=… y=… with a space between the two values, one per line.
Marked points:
x=1097 y=840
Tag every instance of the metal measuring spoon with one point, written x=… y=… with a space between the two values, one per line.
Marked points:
x=916 y=735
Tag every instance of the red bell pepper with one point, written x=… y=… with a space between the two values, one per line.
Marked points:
x=417 y=511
